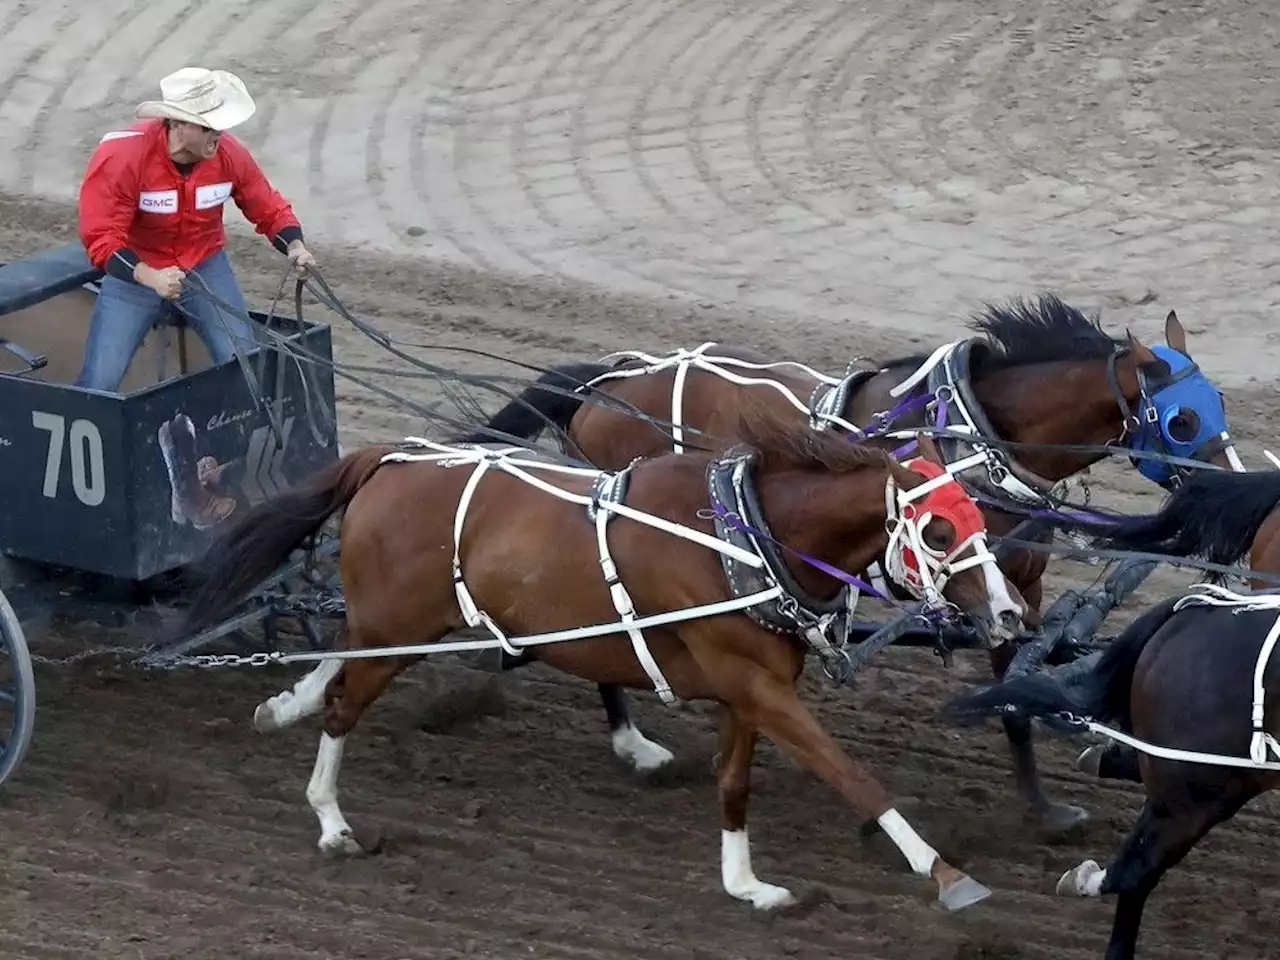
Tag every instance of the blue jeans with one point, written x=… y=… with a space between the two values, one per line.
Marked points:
x=126 y=311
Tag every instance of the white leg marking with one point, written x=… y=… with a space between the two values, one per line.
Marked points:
x=642 y=753
x=322 y=793
x=740 y=880
x=918 y=853
x=1083 y=881
x=306 y=698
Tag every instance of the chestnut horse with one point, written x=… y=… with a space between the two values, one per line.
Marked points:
x=515 y=542
x=1043 y=373
x=1174 y=688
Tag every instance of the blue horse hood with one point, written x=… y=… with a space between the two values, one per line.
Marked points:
x=1190 y=396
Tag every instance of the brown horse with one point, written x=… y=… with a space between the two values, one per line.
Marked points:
x=1175 y=690
x=542 y=551
x=1176 y=679
x=1043 y=373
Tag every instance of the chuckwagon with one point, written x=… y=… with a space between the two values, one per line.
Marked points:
x=109 y=496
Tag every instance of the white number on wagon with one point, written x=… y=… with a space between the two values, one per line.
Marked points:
x=85 y=442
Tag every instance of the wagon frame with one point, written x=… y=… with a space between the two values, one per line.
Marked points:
x=89 y=524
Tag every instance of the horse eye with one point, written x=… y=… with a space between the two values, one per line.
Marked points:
x=1184 y=427
x=939 y=536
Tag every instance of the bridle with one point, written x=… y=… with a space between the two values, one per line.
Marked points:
x=909 y=560
x=1169 y=418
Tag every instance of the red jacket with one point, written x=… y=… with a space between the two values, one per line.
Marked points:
x=134 y=197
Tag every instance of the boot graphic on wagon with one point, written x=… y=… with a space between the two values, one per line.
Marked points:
x=198 y=483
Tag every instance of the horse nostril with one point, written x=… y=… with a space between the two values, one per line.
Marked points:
x=1011 y=621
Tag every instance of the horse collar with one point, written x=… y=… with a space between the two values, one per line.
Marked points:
x=827 y=403
x=731 y=484
x=1005 y=478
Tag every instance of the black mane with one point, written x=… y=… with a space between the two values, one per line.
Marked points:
x=1022 y=332
x=1045 y=330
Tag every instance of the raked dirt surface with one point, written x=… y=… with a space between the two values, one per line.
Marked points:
x=551 y=180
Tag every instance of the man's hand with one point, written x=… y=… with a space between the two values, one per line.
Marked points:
x=301 y=257
x=166 y=282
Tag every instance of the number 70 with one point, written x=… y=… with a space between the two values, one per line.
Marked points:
x=87 y=477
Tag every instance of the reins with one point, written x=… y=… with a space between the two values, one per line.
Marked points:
x=455 y=386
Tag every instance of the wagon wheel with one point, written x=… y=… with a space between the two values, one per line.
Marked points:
x=17 y=692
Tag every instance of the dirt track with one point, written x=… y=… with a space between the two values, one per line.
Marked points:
x=802 y=177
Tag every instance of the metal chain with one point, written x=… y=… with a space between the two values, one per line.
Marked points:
x=86 y=655
x=207 y=660
x=139 y=657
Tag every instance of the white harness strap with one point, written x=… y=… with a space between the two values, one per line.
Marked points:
x=677 y=396
x=471 y=613
x=481 y=459
x=1211 y=594
x=622 y=599
x=683 y=360
x=923 y=371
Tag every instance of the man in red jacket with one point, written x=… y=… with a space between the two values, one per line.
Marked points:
x=151 y=213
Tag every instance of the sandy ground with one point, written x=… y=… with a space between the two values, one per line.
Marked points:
x=555 y=180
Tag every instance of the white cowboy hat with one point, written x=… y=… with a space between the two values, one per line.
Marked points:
x=211 y=98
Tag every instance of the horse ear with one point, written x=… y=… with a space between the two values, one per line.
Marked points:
x=905 y=478
x=1174 y=335
x=929 y=450
x=1141 y=352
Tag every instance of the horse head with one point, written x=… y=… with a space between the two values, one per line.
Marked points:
x=1179 y=413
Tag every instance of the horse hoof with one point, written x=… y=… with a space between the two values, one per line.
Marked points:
x=643 y=755
x=964 y=892
x=1060 y=817
x=1072 y=883
x=341 y=845
x=265 y=719
x=1090 y=761
x=766 y=896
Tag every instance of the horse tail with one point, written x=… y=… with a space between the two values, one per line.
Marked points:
x=549 y=400
x=260 y=541
x=1213 y=515
x=1100 y=692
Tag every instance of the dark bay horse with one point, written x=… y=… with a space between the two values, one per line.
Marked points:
x=1218 y=517
x=1041 y=373
x=1179 y=679
x=511 y=540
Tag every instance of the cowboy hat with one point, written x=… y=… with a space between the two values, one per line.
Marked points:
x=211 y=98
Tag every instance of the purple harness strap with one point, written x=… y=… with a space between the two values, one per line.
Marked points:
x=861 y=586
x=882 y=422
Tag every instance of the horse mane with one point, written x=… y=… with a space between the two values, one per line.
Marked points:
x=1022 y=331
x=789 y=444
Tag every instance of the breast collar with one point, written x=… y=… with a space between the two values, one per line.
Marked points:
x=911 y=564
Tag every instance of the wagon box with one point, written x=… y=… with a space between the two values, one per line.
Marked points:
x=135 y=484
